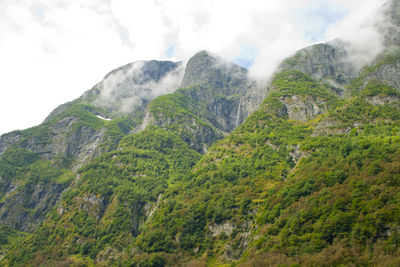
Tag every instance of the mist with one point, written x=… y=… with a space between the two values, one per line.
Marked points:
x=365 y=32
x=52 y=51
x=133 y=86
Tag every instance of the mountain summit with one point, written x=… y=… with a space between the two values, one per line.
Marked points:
x=167 y=164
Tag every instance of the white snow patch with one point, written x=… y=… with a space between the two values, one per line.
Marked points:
x=100 y=117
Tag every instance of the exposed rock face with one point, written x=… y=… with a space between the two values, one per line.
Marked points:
x=83 y=143
x=216 y=97
x=389 y=74
x=25 y=209
x=124 y=90
x=208 y=70
x=7 y=140
x=302 y=108
x=222 y=110
x=26 y=205
x=382 y=100
x=217 y=229
x=390 y=25
x=238 y=243
x=198 y=134
x=66 y=138
x=221 y=96
x=58 y=110
x=93 y=205
x=68 y=135
x=328 y=62
x=222 y=86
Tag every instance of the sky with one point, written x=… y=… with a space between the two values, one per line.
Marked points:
x=51 y=51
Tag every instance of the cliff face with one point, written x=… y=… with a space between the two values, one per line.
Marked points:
x=389 y=25
x=25 y=209
x=215 y=96
x=73 y=134
x=324 y=62
x=302 y=108
x=162 y=163
x=224 y=88
x=386 y=70
x=7 y=140
x=76 y=132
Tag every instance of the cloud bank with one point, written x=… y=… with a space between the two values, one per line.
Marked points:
x=133 y=86
x=53 y=50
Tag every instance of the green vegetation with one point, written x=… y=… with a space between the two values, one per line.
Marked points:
x=276 y=191
x=24 y=176
x=9 y=237
x=344 y=195
x=108 y=202
x=341 y=196
x=290 y=83
x=21 y=168
x=375 y=87
x=32 y=182
x=179 y=114
x=369 y=85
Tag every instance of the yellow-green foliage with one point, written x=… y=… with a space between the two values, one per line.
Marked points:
x=292 y=194
x=104 y=208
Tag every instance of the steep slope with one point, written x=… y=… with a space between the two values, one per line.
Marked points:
x=385 y=70
x=327 y=62
x=103 y=115
x=389 y=26
x=287 y=187
x=225 y=89
x=308 y=179
x=37 y=164
x=311 y=178
x=215 y=97
x=101 y=214
x=223 y=208
x=131 y=87
x=213 y=213
x=94 y=124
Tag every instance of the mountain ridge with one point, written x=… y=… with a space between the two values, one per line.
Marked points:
x=214 y=171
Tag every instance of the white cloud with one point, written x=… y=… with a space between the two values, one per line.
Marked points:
x=361 y=32
x=51 y=51
x=127 y=88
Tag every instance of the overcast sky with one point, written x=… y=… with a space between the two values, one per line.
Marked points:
x=51 y=51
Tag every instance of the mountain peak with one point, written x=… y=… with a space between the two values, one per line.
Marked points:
x=324 y=61
x=208 y=69
x=135 y=84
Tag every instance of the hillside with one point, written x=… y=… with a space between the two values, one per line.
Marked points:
x=166 y=164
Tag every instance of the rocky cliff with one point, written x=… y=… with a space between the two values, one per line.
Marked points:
x=324 y=62
x=215 y=96
x=163 y=164
x=73 y=134
x=203 y=111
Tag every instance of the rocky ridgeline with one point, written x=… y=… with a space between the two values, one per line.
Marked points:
x=200 y=103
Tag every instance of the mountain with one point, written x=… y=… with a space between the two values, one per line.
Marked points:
x=215 y=96
x=38 y=164
x=171 y=164
x=324 y=62
x=41 y=164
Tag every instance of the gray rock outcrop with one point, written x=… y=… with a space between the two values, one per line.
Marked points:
x=225 y=88
x=323 y=62
x=303 y=108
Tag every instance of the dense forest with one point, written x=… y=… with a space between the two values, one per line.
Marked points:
x=211 y=175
